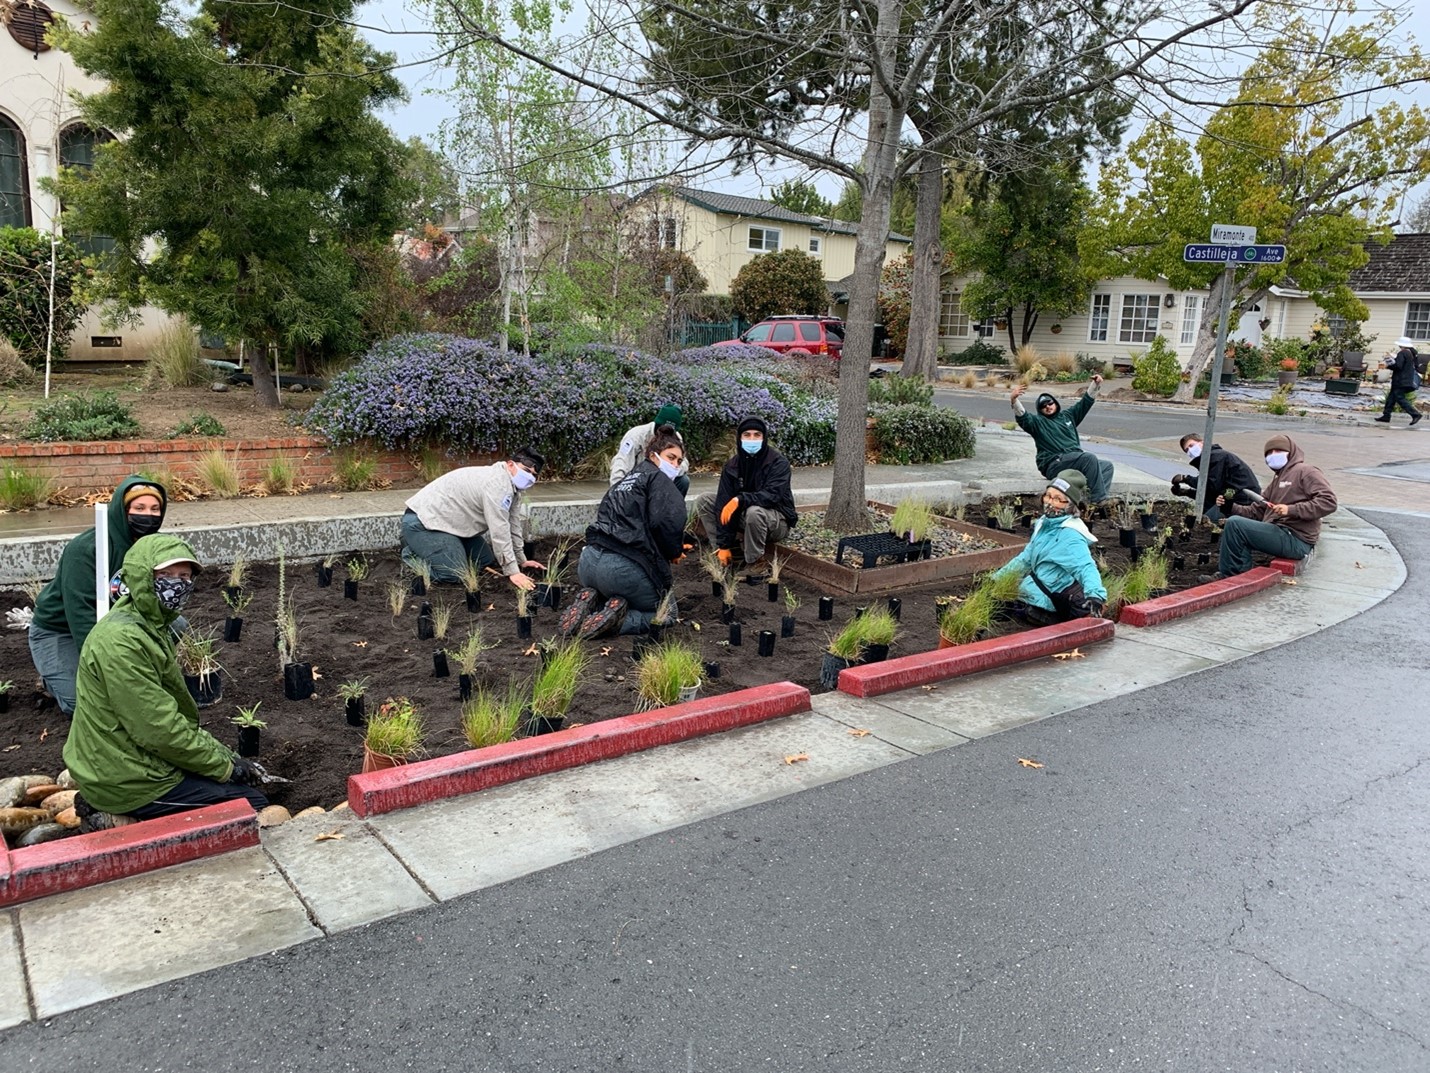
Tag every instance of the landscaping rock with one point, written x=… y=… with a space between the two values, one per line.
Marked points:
x=70 y=818
x=65 y=780
x=12 y=792
x=35 y=794
x=46 y=832
x=311 y=810
x=273 y=816
x=16 y=821
x=38 y=780
x=339 y=807
x=58 y=802
x=219 y=386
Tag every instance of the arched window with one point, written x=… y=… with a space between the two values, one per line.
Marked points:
x=77 y=144
x=14 y=177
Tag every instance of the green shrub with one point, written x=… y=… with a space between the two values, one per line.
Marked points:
x=979 y=352
x=199 y=423
x=1089 y=363
x=900 y=391
x=917 y=434
x=1158 y=371
x=1277 y=404
x=21 y=490
x=25 y=292
x=1251 y=363
x=1275 y=351
x=772 y=284
x=100 y=416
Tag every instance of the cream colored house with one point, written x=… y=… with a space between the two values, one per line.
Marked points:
x=40 y=132
x=722 y=233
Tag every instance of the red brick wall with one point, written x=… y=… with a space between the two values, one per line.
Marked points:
x=100 y=466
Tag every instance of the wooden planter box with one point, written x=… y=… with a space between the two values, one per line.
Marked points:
x=835 y=578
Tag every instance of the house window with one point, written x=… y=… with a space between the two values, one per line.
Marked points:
x=1098 y=318
x=1417 y=320
x=1191 y=307
x=952 y=320
x=816 y=245
x=77 y=144
x=764 y=239
x=14 y=179
x=1139 y=318
x=1281 y=320
x=662 y=233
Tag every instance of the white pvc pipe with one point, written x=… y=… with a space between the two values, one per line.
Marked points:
x=101 y=560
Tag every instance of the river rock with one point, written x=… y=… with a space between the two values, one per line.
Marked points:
x=46 y=832
x=273 y=815
x=38 y=780
x=35 y=794
x=311 y=810
x=339 y=807
x=58 y=802
x=66 y=780
x=16 y=821
x=12 y=792
x=69 y=818
x=218 y=385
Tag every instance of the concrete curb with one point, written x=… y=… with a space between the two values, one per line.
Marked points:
x=476 y=769
x=1289 y=567
x=905 y=672
x=1200 y=597
x=84 y=860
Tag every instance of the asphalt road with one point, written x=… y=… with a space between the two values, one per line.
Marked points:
x=1228 y=872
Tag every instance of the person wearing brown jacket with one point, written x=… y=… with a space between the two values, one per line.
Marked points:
x=1287 y=523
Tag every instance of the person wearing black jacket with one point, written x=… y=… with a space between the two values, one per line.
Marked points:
x=1403 y=380
x=1228 y=473
x=754 y=502
x=629 y=548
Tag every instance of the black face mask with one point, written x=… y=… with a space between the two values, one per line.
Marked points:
x=144 y=524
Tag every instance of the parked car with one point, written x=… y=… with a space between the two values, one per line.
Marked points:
x=795 y=335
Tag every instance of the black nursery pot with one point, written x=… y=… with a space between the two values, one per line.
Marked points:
x=419 y=587
x=657 y=633
x=734 y=635
x=860 y=612
x=1134 y=553
x=772 y=591
x=205 y=691
x=787 y=626
x=464 y=687
x=541 y=593
x=990 y=522
x=826 y=608
x=4 y=702
x=1127 y=538
x=1027 y=521
x=349 y=590
x=1179 y=562
x=542 y=725
x=767 y=642
x=553 y=597
x=474 y=602
x=829 y=669
x=425 y=630
x=640 y=644
x=712 y=668
x=714 y=588
x=325 y=575
x=248 y=741
x=231 y=593
x=297 y=681
x=439 y=665
x=356 y=711
x=1204 y=558
x=875 y=653
x=1149 y=523
x=523 y=627
x=727 y=614
x=232 y=629
x=896 y=607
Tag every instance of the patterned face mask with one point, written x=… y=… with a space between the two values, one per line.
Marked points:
x=173 y=592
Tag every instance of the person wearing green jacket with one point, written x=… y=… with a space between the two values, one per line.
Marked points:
x=65 y=608
x=135 y=747
x=1055 y=435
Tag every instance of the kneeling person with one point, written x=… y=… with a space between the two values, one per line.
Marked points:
x=135 y=747
x=753 y=507
x=1058 y=557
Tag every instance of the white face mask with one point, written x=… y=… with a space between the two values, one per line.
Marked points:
x=1276 y=460
x=522 y=480
x=670 y=469
x=1194 y=451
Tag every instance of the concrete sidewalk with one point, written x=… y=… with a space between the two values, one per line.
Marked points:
x=325 y=874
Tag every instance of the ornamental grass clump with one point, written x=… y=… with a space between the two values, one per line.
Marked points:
x=217 y=470
x=964 y=621
x=395 y=729
x=23 y=490
x=556 y=682
x=279 y=477
x=663 y=671
x=397 y=597
x=491 y=718
x=467 y=653
x=878 y=627
x=197 y=652
x=913 y=518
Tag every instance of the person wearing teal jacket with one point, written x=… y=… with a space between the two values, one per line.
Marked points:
x=1060 y=552
x=65 y=608
x=135 y=747
x=1055 y=434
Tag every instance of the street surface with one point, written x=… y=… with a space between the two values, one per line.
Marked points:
x=1227 y=872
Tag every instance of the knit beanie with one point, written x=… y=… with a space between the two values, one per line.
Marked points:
x=753 y=424
x=135 y=491
x=1071 y=483
x=1277 y=443
x=669 y=414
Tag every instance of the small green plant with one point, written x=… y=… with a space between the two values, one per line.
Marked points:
x=964 y=621
x=556 y=682
x=1147 y=506
x=557 y=563
x=490 y=719
x=791 y=601
x=1116 y=586
x=100 y=416
x=1009 y=426
x=1152 y=568
x=199 y=423
x=248 y=717
x=1003 y=514
x=1280 y=401
x=354 y=473
x=396 y=597
x=7 y=685
x=663 y=671
x=471 y=648
x=471 y=576
x=279 y=476
x=441 y=619
x=913 y=518
x=22 y=490
x=1124 y=514
x=217 y=470
x=848 y=643
x=238 y=572
x=357 y=568
x=353 y=688
x=900 y=391
x=198 y=654
x=395 y=730
x=237 y=604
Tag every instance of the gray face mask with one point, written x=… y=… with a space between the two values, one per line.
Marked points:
x=173 y=592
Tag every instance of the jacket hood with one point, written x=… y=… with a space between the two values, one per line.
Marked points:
x=138 y=574
x=1076 y=525
x=1043 y=400
x=746 y=464
x=119 y=534
x=1287 y=444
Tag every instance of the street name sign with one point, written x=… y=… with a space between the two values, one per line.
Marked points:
x=1206 y=252
x=1233 y=235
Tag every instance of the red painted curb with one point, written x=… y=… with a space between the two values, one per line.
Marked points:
x=84 y=860
x=477 y=769
x=872 y=679
x=1199 y=598
x=1289 y=567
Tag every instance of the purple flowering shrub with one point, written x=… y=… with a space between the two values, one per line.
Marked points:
x=472 y=395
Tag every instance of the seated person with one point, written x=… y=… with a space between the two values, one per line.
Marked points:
x=635 y=445
x=1059 y=555
x=65 y=609
x=475 y=513
x=754 y=503
x=1056 y=437
x=1227 y=473
x=135 y=747
x=1286 y=523
x=630 y=546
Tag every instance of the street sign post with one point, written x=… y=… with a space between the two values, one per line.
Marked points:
x=1218 y=253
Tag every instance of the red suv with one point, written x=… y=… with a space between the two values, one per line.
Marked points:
x=795 y=335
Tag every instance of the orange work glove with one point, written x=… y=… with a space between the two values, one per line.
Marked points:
x=728 y=511
x=725 y=555
x=677 y=559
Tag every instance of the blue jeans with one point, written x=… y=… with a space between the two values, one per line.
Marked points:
x=1097 y=472
x=445 y=553
x=56 y=657
x=611 y=575
x=1242 y=536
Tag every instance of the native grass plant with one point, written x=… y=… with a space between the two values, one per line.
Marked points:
x=197 y=651
x=523 y=602
x=777 y=565
x=248 y=716
x=280 y=476
x=914 y=435
x=397 y=591
x=237 y=602
x=556 y=682
x=354 y=472
x=878 y=627
x=23 y=490
x=13 y=370
x=469 y=651
x=558 y=562
x=422 y=570
x=430 y=463
x=1002 y=588
x=968 y=379
x=791 y=601
x=1025 y=357
x=663 y=671
x=395 y=729
x=100 y=416
x=353 y=688
x=237 y=572
x=357 y=568
x=1124 y=514
x=441 y=619
x=471 y=576
x=966 y=619
x=217 y=471
x=32 y=587
x=1003 y=514
x=1280 y=401
x=848 y=643
x=913 y=518
x=667 y=611
x=729 y=590
x=491 y=718
x=174 y=359
x=199 y=423
x=7 y=685
x=711 y=564
x=288 y=633
x=960 y=510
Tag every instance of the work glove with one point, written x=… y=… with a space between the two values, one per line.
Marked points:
x=1095 y=607
x=678 y=559
x=246 y=772
x=726 y=556
x=728 y=511
x=18 y=618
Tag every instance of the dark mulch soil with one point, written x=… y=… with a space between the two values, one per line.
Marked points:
x=310 y=742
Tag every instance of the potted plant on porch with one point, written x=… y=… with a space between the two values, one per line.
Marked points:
x=1288 y=370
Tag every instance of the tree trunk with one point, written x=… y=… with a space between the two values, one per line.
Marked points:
x=265 y=393
x=921 y=354
x=881 y=147
x=1007 y=318
x=1204 y=351
x=1030 y=321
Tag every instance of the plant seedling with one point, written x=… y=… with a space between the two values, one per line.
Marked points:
x=248 y=717
x=471 y=576
x=353 y=688
x=198 y=655
x=238 y=573
x=357 y=568
x=490 y=719
x=236 y=604
x=396 y=598
x=441 y=619
x=470 y=650
x=523 y=603
x=791 y=600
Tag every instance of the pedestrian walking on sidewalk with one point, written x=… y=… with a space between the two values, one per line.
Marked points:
x=1404 y=381
x=1056 y=437
x=753 y=507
